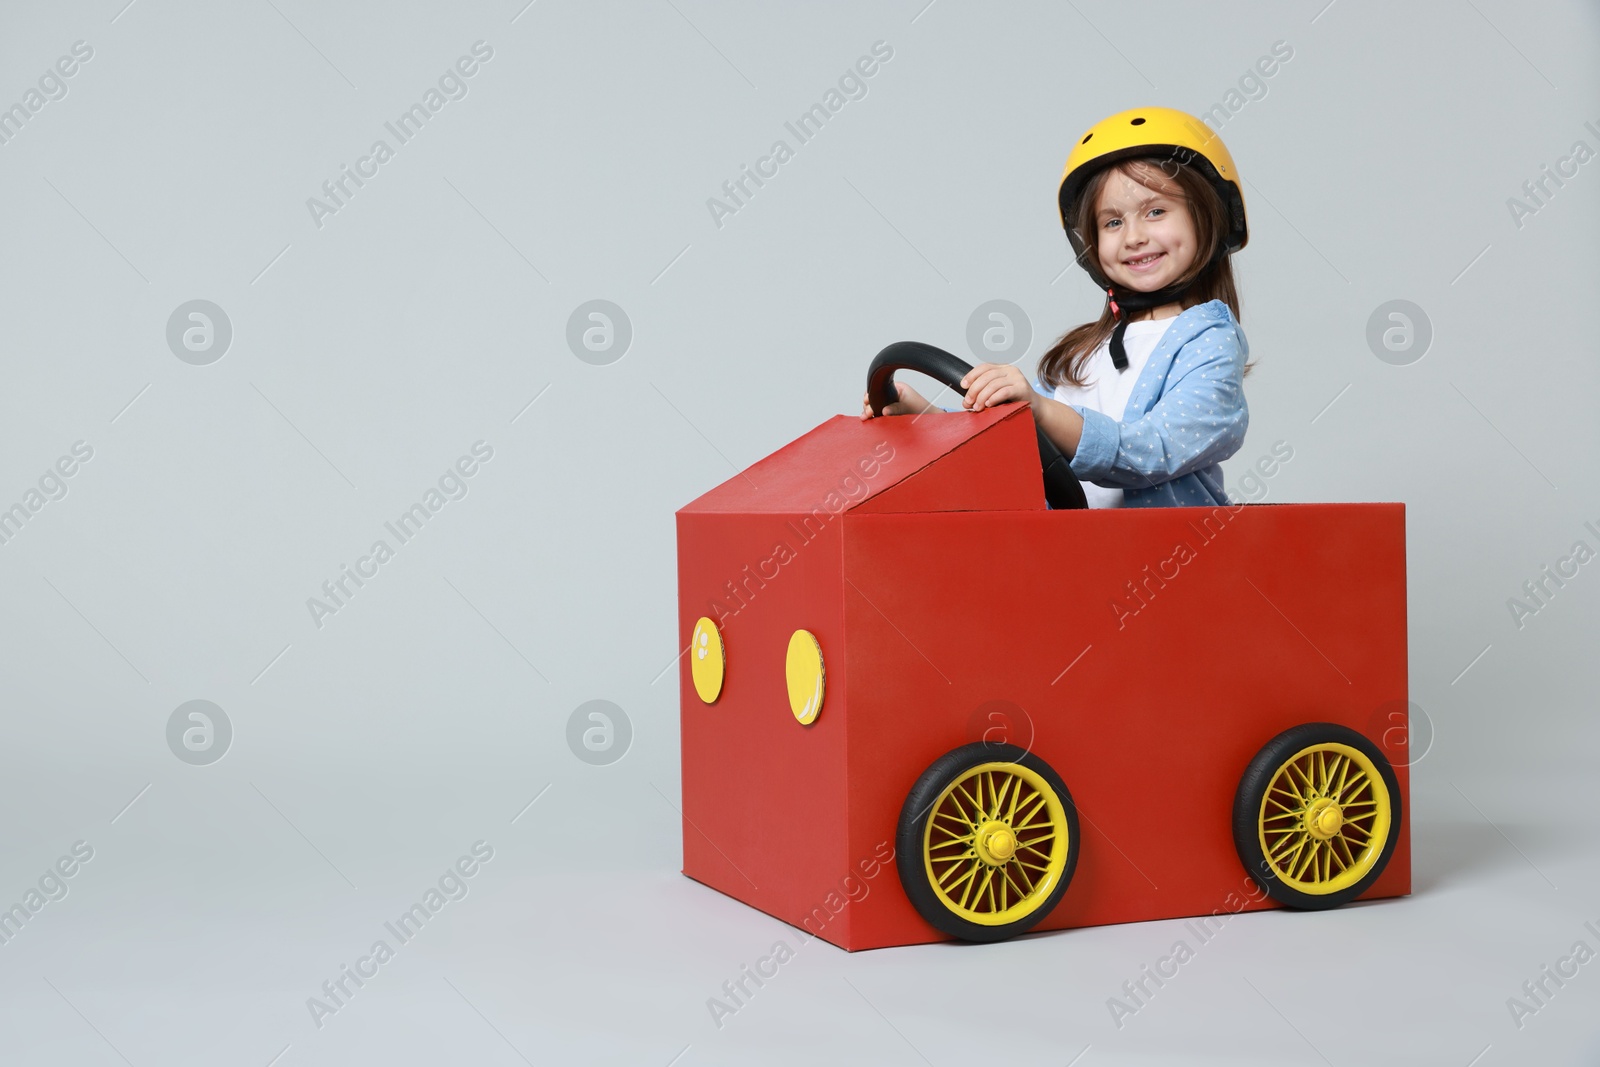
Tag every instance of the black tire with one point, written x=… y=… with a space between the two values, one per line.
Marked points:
x=912 y=837
x=1367 y=841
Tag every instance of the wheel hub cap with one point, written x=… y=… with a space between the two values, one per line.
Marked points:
x=1324 y=819
x=996 y=843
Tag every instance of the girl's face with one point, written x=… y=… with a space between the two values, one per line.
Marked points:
x=1146 y=236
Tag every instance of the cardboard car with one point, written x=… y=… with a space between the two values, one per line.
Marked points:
x=898 y=657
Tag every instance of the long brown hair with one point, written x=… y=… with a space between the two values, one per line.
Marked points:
x=1064 y=363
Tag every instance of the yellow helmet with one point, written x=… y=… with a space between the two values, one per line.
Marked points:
x=1153 y=131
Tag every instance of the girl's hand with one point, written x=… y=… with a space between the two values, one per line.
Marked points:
x=910 y=403
x=989 y=384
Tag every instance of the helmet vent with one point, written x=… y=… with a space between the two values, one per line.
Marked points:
x=1136 y=122
x=1086 y=137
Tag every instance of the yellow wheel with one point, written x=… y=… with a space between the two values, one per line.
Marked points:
x=1317 y=815
x=987 y=841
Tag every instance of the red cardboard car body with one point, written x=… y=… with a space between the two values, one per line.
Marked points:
x=1145 y=653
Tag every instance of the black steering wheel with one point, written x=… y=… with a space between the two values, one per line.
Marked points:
x=1061 y=487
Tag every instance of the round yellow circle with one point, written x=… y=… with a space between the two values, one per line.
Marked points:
x=706 y=662
x=804 y=671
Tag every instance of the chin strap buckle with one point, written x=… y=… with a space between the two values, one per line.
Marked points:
x=1111 y=299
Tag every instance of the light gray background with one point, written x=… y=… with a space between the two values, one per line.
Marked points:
x=370 y=353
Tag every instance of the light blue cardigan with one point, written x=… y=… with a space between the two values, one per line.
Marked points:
x=1186 y=415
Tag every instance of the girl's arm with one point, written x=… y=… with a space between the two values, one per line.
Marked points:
x=1200 y=420
x=1060 y=422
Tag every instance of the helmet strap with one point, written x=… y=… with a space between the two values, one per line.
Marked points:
x=1122 y=301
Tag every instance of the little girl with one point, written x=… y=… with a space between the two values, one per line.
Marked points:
x=1148 y=401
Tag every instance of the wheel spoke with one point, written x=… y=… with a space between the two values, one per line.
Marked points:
x=1308 y=772
x=1285 y=784
x=1007 y=782
x=956 y=858
x=1022 y=874
x=955 y=868
x=1276 y=850
x=1295 y=809
x=972 y=882
x=1343 y=847
x=1021 y=893
x=1289 y=860
x=986 y=887
x=966 y=831
x=954 y=842
x=1354 y=786
x=1295 y=835
x=1034 y=805
x=1281 y=863
x=1306 y=869
x=971 y=879
x=1346 y=765
x=977 y=805
x=1310 y=858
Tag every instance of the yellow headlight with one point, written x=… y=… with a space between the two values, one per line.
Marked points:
x=803 y=668
x=706 y=663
